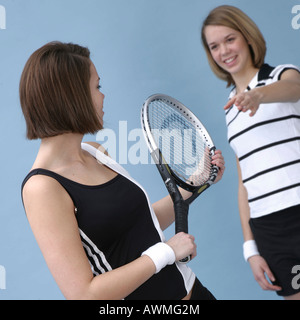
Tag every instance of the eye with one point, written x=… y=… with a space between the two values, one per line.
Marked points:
x=213 y=47
x=99 y=87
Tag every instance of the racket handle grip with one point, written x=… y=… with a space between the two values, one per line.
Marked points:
x=181 y=221
x=181 y=209
x=185 y=260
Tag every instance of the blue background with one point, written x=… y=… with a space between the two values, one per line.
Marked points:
x=139 y=47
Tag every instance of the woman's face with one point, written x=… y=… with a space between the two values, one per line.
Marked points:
x=229 y=49
x=97 y=95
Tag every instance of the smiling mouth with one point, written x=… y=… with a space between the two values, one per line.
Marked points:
x=230 y=60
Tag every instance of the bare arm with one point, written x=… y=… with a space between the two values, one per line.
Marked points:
x=258 y=264
x=50 y=212
x=285 y=90
x=244 y=208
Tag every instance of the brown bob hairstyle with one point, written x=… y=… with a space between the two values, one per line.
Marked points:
x=55 y=92
x=234 y=18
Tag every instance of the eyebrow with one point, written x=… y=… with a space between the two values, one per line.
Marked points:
x=228 y=36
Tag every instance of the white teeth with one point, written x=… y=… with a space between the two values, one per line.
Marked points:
x=229 y=60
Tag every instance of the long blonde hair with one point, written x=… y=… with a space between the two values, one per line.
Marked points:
x=234 y=18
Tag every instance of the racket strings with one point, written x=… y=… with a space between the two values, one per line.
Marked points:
x=183 y=146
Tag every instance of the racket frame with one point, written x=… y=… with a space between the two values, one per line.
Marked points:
x=171 y=180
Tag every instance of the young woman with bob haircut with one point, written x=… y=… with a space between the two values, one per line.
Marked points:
x=96 y=228
x=263 y=120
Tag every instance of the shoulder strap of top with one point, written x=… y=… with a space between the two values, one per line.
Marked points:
x=43 y=172
x=104 y=159
x=64 y=182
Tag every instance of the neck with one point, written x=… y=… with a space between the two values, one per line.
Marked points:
x=60 y=151
x=242 y=79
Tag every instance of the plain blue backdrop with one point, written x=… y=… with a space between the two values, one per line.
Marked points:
x=140 y=47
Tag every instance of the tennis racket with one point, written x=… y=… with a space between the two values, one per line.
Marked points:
x=182 y=150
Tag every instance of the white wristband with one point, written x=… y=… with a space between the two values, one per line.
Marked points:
x=161 y=254
x=250 y=249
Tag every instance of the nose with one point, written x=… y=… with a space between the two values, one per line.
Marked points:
x=224 y=49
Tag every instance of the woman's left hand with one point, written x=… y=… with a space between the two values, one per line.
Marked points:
x=219 y=161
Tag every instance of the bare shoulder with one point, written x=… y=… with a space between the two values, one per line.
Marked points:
x=44 y=194
x=291 y=74
x=39 y=185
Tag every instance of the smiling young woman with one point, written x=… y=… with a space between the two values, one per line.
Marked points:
x=238 y=23
x=230 y=51
x=263 y=120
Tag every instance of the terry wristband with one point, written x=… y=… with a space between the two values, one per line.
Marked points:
x=161 y=254
x=250 y=249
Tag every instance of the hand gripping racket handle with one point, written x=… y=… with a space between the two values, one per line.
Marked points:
x=181 y=209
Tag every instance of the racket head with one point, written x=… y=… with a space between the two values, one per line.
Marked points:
x=184 y=143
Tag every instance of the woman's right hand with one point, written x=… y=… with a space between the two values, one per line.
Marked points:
x=183 y=246
x=260 y=269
